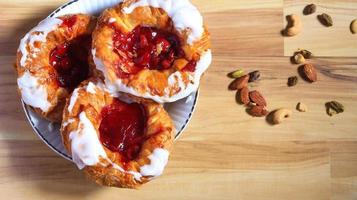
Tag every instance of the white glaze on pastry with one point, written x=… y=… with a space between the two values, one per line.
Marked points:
x=73 y=99
x=33 y=93
x=137 y=175
x=182 y=12
x=112 y=20
x=85 y=145
x=194 y=77
x=158 y=161
x=91 y=88
x=87 y=151
x=37 y=34
x=69 y=121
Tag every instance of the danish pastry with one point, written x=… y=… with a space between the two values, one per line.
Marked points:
x=52 y=59
x=156 y=49
x=121 y=142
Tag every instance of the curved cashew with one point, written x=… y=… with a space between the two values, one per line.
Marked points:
x=354 y=26
x=294 y=25
x=280 y=114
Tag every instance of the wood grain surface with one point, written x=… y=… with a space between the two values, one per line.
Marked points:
x=224 y=153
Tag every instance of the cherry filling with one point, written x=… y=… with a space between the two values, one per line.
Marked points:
x=69 y=22
x=146 y=48
x=70 y=60
x=122 y=128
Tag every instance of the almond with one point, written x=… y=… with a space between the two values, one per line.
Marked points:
x=239 y=83
x=257 y=111
x=309 y=72
x=309 y=9
x=244 y=95
x=257 y=98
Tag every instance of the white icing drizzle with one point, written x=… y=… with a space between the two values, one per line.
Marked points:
x=38 y=33
x=91 y=88
x=137 y=176
x=201 y=67
x=73 y=99
x=32 y=92
x=85 y=146
x=158 y=161
x=183 y=14
x=112 y=20
x=69 y=121
x=87 y=151
x=176 y=78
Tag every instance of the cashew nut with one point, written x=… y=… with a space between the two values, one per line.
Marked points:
x=301 y=107
x=354 y=26
x=280 y=114
x=294 y=25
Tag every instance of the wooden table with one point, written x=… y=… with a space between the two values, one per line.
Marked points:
x=224 y=153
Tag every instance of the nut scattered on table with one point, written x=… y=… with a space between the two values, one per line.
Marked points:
x=294 y=25
x=334 y=107
x=239 y=83
x=236 y=74
x=307 y=54
x=254 y=100
x=325 y=19
x=257 y=111
x=292 y=81
x=280 y=115
x=299 y=58
x=301 y=107
x=244 y=96
x=254 y=76
x=353 y=26
x=309 y=9
x=257 y=98
x=309 y=72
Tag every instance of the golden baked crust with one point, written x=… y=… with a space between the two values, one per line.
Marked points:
x=159 y=132
x=154 y=82
x=38 y=64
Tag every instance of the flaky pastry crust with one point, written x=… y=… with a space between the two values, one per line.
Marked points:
x=37 y=63
x=147 y=83
x=159 y=132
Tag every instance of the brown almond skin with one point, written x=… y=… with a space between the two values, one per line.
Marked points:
x=239 y=83
x=310 y=73
x=257 y=111
x=309 y=9
x=325 y=19
x=257 y=97
x=244 y=95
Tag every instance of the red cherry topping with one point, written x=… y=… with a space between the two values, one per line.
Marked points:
x=70 y=60
x=122 y=128
x=69 y=22
x=190 y=67
x=146 y=48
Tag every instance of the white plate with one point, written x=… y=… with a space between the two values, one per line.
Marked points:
x=180 y=111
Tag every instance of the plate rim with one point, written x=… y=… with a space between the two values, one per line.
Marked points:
x=39 y=134
x=67 y=157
